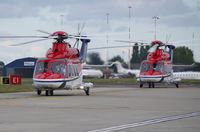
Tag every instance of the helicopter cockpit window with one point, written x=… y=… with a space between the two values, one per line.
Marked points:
x=58 y=67
x=41 y=67
x=145 y=67
x=159 y=67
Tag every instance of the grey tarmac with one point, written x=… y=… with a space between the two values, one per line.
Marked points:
x=106 y=107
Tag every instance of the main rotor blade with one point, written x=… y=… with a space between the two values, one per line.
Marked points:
x=78 y=37
x=33 y=41
x=126 y=41
x=24 y=36
x=45 y=32
x=112 y=47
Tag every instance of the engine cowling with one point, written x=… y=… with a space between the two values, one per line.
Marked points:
x=62 y=50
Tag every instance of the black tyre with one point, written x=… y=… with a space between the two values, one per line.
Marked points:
x=153 y=85
x=141 y=85
x=149 y=85
x=51 y=92
x=87 y=91
x=177 y=86
x=47 y=92
x=39 y=92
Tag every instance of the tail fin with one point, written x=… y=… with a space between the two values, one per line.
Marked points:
x=118 y=65
x=83 y=51
x=171 y=48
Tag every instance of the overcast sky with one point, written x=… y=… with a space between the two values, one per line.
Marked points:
x=179 y=22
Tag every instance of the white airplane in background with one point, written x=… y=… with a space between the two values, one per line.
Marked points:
x=92 y=73
x=187 y=75
x=122 y=70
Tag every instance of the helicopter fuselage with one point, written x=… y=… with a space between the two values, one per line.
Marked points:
x=158 y=66
x=61 y=68
x=57 y=74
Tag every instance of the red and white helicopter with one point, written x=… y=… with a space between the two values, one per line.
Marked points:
x=158 y=66
x=62 y=66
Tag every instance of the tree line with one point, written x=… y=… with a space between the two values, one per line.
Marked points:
x=182 y=55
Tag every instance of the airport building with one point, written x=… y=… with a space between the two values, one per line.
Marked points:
x=1 y=68
x=23 y=67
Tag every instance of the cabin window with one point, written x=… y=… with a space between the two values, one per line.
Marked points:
x=145 y=67
x=70 y=70
x=58 y=67
x=73 y=70
x=76 y=69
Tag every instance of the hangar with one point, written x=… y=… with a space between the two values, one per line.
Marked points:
x=1 y=68
x=23 y=67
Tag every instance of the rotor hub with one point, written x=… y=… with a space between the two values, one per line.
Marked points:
x=60 y=36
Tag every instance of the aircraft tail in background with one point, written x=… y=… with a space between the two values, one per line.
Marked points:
x=122 y=70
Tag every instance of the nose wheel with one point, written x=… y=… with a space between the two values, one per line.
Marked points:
x=49 y=92
x=39 y=92
x=152 y=85
x=87 y=91
x=176 y=84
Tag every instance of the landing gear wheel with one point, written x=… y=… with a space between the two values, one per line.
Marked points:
x=47 y=92
x=87 y=91
x=141 y=85
x=177 y=86
x=153 y=85
x=39 y=92
x=149 y=85
x=51 y=92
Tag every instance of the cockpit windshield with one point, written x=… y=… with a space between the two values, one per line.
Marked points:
x=145 y=67
x=57 y=67
x=41 y=67
x=159 y=67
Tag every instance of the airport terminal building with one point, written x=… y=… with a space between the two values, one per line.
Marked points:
x=23 y=67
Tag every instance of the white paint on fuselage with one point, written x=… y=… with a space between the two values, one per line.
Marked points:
x=65 y=83
x=169 y=78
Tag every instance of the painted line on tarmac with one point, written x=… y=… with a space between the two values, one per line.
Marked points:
x=148 y=122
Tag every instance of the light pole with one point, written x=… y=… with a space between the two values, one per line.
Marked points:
x=61 y=23
x=129 y=36
x=155 y=22
x=107 y=36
